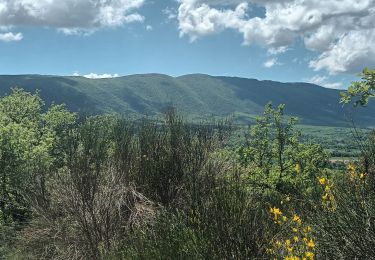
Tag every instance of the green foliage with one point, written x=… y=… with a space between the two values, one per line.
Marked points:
x=27 y=142
x=169 y=238
x=348 y=231
x=171 y=158
x=360 y=92
x=276 y=158
x=226 y=222
x=111 y=188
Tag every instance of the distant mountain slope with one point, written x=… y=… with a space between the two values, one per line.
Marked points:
x=197 y=96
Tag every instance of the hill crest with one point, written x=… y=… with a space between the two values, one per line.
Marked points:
x=197 y=96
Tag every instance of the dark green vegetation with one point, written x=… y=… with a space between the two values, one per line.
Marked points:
x=197 y=96
x=105 y=187
x=338 y=141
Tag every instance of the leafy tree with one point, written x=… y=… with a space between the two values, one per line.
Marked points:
x=27 y=141
x=360 y=92
x=276 y=158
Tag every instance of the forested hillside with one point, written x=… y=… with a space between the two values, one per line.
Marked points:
x=195 y=96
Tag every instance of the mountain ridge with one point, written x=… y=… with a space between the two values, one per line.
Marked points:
x=198 y=96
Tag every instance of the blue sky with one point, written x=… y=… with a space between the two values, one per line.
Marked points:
x=286 y=40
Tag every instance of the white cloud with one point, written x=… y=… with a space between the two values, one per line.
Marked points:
x=96 y=76
x=199 y=19
x=70 y=16
x=10 y=37
x=342 y=31
x=335 y=85
x=276 y=51
x=322 y=81
x=270 y=63
x=149 y=28
x=350 y=53
x=99 y=76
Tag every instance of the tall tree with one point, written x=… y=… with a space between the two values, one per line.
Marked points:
x=28 y=143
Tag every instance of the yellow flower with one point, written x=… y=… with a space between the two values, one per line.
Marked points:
x=323 y=181
x=292 y=258
x=297 y=219
x=310 y=255
x=287 y=242
x=311 y=244
x=362 y=176
x=285 y=218
x=290 y=249
x=295 y=230
x=351 y=167
x=276 y=212
x=296 y=239
x=325 y=196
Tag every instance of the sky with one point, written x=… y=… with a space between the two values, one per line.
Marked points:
x=323 y=42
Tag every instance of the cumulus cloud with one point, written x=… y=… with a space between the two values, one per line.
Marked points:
x=340 y=31
x=350 y=53
x=10 y=37
x=199 y=19
x=70 y=16
x=323 y=81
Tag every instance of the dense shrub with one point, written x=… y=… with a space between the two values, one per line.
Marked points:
x=109 y=188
